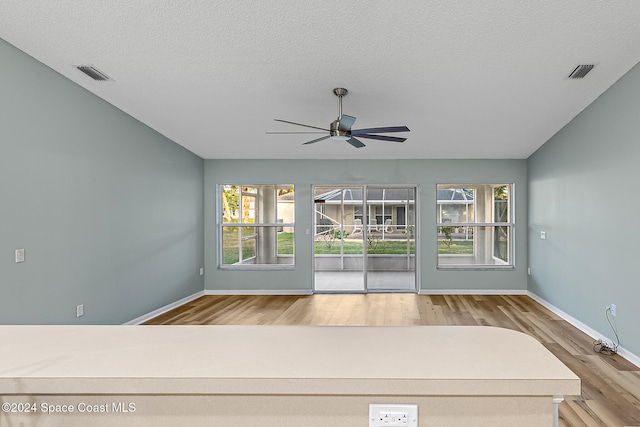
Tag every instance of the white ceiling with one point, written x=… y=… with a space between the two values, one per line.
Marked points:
x=471 y=79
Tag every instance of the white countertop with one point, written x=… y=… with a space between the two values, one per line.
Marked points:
x=420 y=360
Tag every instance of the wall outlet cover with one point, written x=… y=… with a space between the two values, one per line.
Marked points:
x=393 y=415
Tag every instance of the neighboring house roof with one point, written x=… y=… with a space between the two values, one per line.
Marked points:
x=393 y=195
x=455 y=194
x=399 y=195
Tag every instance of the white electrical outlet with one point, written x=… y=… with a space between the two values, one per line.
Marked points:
x=19 y=255
x=201 y=271
x=80 y=310
x=543 y=235
x=393 y=415
x=612 y=308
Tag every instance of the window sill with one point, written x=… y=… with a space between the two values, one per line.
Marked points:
x=454 y=267
x=263 y=267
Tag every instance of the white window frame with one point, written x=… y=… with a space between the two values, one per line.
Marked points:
x=498 y=263
x=241 y=264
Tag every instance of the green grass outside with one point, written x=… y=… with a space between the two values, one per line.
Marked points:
x=456 y=247
x=395 y=247
x=285 y=243
x=230 y=244
x=285 y=246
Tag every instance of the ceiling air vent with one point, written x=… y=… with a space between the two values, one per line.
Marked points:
x=580 y=71
x=93 y=72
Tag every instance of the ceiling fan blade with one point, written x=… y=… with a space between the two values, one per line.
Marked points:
x=346 y=122
x=380 y=130
x=315 y=140
x=383 y=137
x=356 y=143
x=291 y=133
x=300 y=124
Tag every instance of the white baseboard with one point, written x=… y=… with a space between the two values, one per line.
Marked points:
x=140 y=320
x=258 y=292
x=584 y=328
x=473 y=292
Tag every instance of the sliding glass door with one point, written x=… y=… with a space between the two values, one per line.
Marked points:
x=338 y=239
x=391 y=239
x=364 y=239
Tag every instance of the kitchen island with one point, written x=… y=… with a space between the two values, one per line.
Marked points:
x=275 y=375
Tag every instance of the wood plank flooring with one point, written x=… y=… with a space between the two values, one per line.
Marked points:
x=610 y=384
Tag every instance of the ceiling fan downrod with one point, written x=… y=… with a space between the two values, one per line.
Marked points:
x=338 y=130
x=340 y=92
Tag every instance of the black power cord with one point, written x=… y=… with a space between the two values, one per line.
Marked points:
x=601 y=346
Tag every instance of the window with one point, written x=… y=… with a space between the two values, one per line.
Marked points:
x=475 y=225
x=257 y=225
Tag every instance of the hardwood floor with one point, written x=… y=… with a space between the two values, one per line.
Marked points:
x=610 y=384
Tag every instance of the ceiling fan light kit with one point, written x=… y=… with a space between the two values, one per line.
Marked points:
x=336 y=133
x=340 y=129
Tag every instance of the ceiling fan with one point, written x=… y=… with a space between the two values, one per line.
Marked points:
x=340 y=129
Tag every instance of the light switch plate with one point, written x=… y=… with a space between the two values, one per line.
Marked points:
x=19 y=255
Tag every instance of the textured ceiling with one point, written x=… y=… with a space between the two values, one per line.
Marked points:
x=481 y=79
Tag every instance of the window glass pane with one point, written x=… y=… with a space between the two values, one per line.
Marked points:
x=248 y=245
x=285 y=207
x=455 y=240
x=501 y=243
x=285 y=242
x=478 y=246
x=230 y=252
x=501 y=203
x=230 y=203
x=411 y=219
x=248 y=205
x=455 y=204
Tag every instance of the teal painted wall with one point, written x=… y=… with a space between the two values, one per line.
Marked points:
x=423 y=173
x=583 y=192
x=110 y=213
